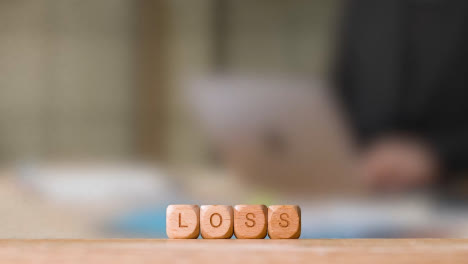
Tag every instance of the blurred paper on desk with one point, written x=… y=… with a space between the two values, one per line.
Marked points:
x=98 y=185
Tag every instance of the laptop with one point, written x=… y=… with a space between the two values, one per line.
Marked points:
x=284 y=134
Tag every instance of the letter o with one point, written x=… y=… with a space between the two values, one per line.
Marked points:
x=220 y=220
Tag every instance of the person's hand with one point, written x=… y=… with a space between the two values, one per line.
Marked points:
x=398 y=163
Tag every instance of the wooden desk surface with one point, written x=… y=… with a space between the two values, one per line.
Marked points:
x=229 y=251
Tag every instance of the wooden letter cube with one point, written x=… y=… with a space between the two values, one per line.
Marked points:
x=250 y=221
x=216 y=221
x=183 y=221
x=284 y=221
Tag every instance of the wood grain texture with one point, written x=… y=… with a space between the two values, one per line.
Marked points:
x=250 y=221
x=183 y=221
x=216 y=221
x=206 y=251
x=284 y=221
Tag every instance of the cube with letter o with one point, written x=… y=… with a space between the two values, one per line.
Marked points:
x=216 y=221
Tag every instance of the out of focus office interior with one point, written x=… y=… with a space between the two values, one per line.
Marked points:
x=110 y=110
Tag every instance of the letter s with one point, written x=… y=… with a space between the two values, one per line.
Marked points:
x=251 y=219
x=282 y=224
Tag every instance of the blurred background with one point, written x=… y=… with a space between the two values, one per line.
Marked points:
x=110 y=110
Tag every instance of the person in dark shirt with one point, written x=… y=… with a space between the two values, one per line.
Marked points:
x=402 y=75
